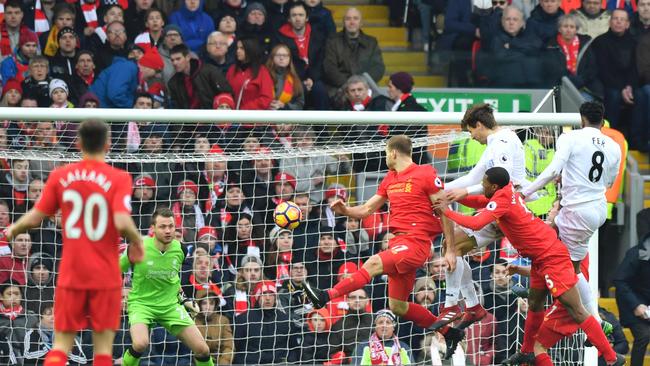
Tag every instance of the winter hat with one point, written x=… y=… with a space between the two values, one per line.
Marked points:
x=27 y=37
x=187 y=184
x=347 y=268
x=144 y=180
x=58 y=84
x=385 y=313
x=254 y=6
x=286 y=178
x=336 y=190
x=207 y=230
x=223 y=98
x=12 y=84
x=402 y=81
x=172 y=27
x=157 y=92
x=65 y=30
x=88 y=96
x=423 y=283
x=216 y=149
x=46 y=262
x=322 y=312
x=276 y=232
x=152 y=60
x=250 y=258
x=264 y=287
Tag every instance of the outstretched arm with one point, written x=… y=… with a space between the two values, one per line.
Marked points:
x=477 y=201
x=472 y=222
x=30 y=220
x=448 y=231
x=125 y=225
x=360 y=211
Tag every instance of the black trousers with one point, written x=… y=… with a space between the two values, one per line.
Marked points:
x=641 y=333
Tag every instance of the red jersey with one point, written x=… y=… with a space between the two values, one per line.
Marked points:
x=408 y=192
x=526 y=232
x=88 y=193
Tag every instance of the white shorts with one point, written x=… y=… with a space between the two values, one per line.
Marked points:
x=576 y=224
x=484 y=237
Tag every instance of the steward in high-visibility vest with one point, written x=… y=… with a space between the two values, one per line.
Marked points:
x=538 y=157
x=463 y=155
x=615 y=192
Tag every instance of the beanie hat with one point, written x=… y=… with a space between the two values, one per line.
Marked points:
x=254 y=6
x=347 y=268
x=385 y=313
x=223 y=98
x=250 y=258
x=144 y=180
x=58 y=84
x=216 y=149
x=286 y=178
x=172 y=27
x=322 y=312
x=12 y=84
x=152 y=60
x=402 y=81
x=265 y=287
x=44 y=261
x=157 y=92
x=65 y=30
x=337 y=190
x=27 y=37
x=207 y=230
x=187 y=184
x=86 y=97
x=276 y=232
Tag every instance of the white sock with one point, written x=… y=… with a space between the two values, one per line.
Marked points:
x=453 y=283
x=587 y=297
x=467 y=288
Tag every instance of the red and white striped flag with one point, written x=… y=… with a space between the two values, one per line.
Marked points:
x=41 y=24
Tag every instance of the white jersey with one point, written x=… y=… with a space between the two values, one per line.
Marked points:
x=503 y=149
x=588 y=161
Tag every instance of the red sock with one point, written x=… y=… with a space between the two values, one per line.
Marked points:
x=103 y=360
x=419 y=315
x=531 y=326
x=56 y=358
x=359 y=279
x=543 y=359
x=596 y=336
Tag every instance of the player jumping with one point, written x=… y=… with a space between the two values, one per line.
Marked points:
x=95 y=201
x=551 y=265
x=503 y=149
x=411 y=189
x=588 y=161
x=154 y=296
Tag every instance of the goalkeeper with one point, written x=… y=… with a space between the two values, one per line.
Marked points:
x=155 y=294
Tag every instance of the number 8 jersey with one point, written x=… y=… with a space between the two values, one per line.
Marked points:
x=88 y=193
x=588 y=161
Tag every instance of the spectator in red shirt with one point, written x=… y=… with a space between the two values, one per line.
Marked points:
x=13 y=266
x=5 y=221
x=250 y=80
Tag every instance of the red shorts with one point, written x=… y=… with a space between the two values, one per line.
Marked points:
x=555 y=273
x=76 y=309
x=405 y=254
x=557 y=325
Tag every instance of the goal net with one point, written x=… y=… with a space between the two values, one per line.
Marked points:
x=223 y=182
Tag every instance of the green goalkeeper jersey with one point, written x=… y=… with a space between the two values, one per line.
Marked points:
x=156 y=280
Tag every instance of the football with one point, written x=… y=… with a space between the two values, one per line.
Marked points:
x=287 y=215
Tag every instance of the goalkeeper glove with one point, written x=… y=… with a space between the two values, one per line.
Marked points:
x=190 y=305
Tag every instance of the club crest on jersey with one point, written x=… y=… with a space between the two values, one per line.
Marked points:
x=503 y=158
x=491 y=206
x=438 y=182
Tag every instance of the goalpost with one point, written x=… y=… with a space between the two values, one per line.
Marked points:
x=234 y=184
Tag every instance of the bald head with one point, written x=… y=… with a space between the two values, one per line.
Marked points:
x=352 y=22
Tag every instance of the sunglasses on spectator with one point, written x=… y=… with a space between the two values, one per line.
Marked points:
x=502 y=2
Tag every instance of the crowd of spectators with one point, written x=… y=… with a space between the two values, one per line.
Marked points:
x=245 y=273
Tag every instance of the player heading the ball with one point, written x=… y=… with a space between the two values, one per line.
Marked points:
x=411 y=190
x=95 y=202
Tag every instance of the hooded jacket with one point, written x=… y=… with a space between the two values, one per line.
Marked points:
x=196 y=25
x=115 y=87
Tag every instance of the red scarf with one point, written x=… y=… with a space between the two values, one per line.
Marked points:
x=12 y=312
x=41 y=24
x=571 y=51
x=87 y=79
x=303 y=44
x=5 y=41
x=282 y=272
x=378 y=354
x=213 y=288
x=90 y=13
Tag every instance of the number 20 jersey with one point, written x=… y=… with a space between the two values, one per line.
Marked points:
x=88 y=193
x=592 y=161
